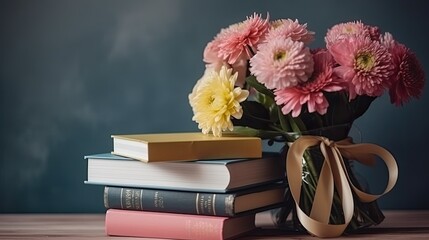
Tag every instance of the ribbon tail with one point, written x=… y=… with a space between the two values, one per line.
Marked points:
x=318 y=223
x=333 y=173
x=322 y=202
x=385 y=156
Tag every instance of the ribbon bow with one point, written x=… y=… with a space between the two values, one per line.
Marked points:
x=333 y=172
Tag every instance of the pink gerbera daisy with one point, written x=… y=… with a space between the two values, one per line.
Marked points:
x=344 y=30
x=242 y=38
x=365 y=64
x=288 y=28
x=282 y=63
x=408 y=78
x=312 y=91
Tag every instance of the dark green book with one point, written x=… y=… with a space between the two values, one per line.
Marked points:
x=198 y=203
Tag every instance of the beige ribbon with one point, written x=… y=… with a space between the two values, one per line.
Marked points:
x=333 y=172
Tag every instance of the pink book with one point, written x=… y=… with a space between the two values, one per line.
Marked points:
x=175 y=226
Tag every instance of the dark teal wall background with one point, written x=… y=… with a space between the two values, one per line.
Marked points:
x=74 y=72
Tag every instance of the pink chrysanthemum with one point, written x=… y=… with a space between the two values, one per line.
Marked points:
x=288 y=28
x=387 y=40
x=365 y=64
x=374 y=32
x=240 y=67
x=282 y=63
x=312 y=91
x=408 y=79
x=242 y=38
x=210 y=55
x=344 y=30
x=213 y=61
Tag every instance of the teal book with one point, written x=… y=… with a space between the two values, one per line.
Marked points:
x=197 y=203
x=222 y=175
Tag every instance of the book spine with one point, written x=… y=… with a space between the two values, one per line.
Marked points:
x=163 y=225
x=211 y=204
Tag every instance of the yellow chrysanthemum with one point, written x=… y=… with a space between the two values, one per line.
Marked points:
x=214 y=101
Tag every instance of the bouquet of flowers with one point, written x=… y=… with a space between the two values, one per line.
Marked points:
x=263 y=79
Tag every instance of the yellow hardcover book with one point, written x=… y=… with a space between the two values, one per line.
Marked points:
x=159 y=147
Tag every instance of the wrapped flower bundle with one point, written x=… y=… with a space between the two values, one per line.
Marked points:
x=262 y=79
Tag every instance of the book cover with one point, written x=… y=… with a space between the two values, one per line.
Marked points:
x=198 y=203
x=159 y=147
x=175 y=226
x=205 y=176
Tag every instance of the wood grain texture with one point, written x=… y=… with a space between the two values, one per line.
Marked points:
x=397 y=225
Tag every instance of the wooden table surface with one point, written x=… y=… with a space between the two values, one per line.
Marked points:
x=397 y=225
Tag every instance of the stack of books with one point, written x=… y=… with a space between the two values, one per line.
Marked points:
x=186 y=185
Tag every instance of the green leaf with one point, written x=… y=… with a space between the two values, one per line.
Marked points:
x=251 y=80
x=285 y=125
x=252 y=132
x=296 y=124
x=255 y=115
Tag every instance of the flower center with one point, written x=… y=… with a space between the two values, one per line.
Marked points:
x=276 y=24
x=349 y=29
x=280 y=55
x=211 y=99
x=365 y=61
x=239 y=26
